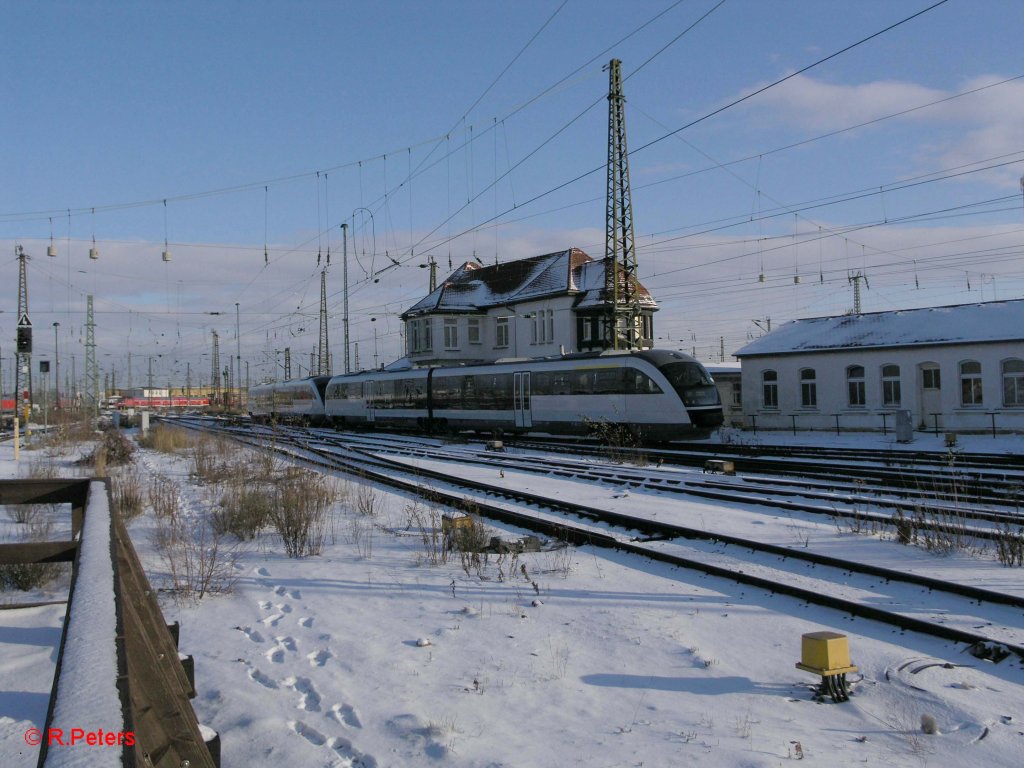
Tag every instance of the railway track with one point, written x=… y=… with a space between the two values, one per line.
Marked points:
x=988 y=623
x=976 y=478
x=852 y=501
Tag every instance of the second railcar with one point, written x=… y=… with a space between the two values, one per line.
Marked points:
x=299 y=401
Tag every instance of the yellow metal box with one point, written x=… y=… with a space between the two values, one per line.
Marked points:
x=825 y=652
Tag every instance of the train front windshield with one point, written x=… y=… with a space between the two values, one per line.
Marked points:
x=694 y=385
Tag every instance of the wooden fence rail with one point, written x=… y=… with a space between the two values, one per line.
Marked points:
x=118 y=669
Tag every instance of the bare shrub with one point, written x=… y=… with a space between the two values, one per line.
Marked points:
x=467 y=536
x=205 y=458
x=43 y=469
x=367 y=500
x=114 y=450
x=198 y=561
x=165 y=438
x=26 y=576
x=28 y=514
x=360 y=531
x=561 y=558
x=427 y=520
x=942 y=530
x=301 y=501
x=622 y=442
x=245 y=509
x=126 y=495
x=1010 y=546
x=163 y=497
x=264 y=464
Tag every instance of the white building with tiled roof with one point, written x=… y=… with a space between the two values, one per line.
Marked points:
x=955 y=368
x=543 y=305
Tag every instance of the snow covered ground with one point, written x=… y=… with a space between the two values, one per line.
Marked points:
x=370 y=656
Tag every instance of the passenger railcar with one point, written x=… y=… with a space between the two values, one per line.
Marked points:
x=659 y=395
x=300 y=401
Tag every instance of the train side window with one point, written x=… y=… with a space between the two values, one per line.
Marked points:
x=470 y=399
x=584 y=383
x=541 y=383
x=639 y=383
x=608 y=381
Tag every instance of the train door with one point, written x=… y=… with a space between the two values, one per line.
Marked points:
x=370 y=396
x=521 y=399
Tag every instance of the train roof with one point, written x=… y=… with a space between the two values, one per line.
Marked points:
x=657 y=357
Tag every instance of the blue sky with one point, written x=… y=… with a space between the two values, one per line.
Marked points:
x=479 y=129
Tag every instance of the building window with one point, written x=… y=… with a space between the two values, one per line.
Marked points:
x=930 y=378
x=1013 y=383
x=473 y=330
x=808 y=388
x=855 y=386
x=501 y=332
x=451 y=333
x=737 y=395
x=419 y=339
x=536 y=328
x=412 y=338
x=770 y=389
x=891 y=385
x=970 y=383
x=551 y=325
x=585 y=328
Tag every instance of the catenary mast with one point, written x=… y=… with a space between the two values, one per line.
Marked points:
x=620 y=267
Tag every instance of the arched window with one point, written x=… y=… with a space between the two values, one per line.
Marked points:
x=769 y=389
x=808 y=388
x=970 y=383
x=855 y=385
x=891 y=385
x=1013 y=383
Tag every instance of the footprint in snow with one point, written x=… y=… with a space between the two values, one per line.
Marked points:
x=346 y=715
x=308 y=732
x=319 y=658
x=355 y=758
x=258 y=677
x=251 y=633
x=310 y=700
x=283 y=591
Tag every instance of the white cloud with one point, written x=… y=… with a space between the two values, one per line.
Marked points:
x=984 y=124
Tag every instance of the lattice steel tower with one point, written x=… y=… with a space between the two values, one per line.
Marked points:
x=323 y=366
x=215 y=371
x=92 y=370
x=23 y=357
x=620 y=266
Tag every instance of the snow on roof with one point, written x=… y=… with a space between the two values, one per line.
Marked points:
x=958 y=324
x=473 y=287
x=729 y=366
x=591 y=284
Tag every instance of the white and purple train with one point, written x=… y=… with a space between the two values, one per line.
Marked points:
x=657 y=394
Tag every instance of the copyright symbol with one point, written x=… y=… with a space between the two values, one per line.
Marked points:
x=33 y=737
